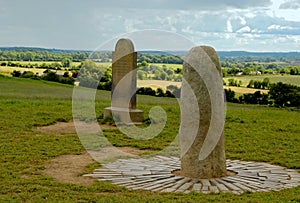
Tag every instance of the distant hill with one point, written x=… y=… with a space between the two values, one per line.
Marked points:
x=224 y=55
x=37 y=49
x=276 y=55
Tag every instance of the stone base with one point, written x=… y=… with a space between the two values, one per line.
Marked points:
x=156 y=174
x=121 y=115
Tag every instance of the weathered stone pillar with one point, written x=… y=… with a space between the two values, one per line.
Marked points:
x=202 y=115
x=124 y=69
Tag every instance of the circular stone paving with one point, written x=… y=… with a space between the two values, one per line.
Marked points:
x=155 y=174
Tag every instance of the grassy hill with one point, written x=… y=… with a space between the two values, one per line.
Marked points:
x=254 y=133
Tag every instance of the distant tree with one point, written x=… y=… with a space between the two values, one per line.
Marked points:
x=27 y=74
x=141 y=75
x=257 y=84
x=285 y=94
x=160 y=92
x=178 y=71
x=230 y=96
x=90 y=74
x=283 y=71
x=51 y=76
x=143 y=64
x=170 y=72
x=233 y=82
x=66 y=74
x=266 y=83
x=74 y=74
x=66 y=62
x=149 y=91
x=256 y=98
x=16 y=73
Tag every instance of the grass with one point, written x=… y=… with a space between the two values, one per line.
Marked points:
x=289 y=79
x=254 y=133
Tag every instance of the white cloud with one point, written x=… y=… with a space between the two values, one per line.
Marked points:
x=292 y=4
x=229 y=26
x=244 y=29
x=280 y=27
x=184 y=5
x=225 y=24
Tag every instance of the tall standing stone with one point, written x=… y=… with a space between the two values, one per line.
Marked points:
x=202 y=116
x=124 y=70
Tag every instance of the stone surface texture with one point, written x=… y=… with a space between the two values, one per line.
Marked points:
x=202 y=115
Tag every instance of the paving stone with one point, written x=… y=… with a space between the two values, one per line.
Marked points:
x=160 y=189
x=184 y=187
x=228 y=185
x=244 y=187
x=205 y=189
x=158 y=182
x=179 y=183
x=205 y=182
x=155 y=174
x=235 y=179
x=197 y=187
x=214 y=189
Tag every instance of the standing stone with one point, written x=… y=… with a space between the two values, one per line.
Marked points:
x=202 y=116
x=124 y=70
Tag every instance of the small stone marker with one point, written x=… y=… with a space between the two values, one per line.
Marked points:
x=202 y=116
x=123 y=99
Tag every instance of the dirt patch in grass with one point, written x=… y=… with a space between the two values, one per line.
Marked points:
x=69 y=168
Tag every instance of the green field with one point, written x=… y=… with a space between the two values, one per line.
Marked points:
x=173 y=66
x=289 y=79
x=254 y=133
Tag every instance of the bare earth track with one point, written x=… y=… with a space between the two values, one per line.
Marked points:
x=69 y=168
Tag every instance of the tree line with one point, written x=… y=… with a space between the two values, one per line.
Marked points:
x=78 y=56
x=279 y=95
x=66 y=78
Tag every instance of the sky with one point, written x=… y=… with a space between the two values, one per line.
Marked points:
x=227 y=25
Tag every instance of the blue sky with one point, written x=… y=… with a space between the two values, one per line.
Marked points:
x=251 y=25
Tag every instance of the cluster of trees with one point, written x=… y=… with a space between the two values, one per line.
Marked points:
x=64 y=63
x=234 y=63
x=41 y=55
x=249 y=68
x=233 y=82
x=147 y=71
x=48 y=75
x=257 y=69
x=159 y=58
x=280 y=95
x=94 y=75
x=292 y=70
x=265 y=84
x=285 y=94
x=171 y=91
x=38 y=54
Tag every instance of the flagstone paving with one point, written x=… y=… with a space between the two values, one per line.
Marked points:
x=157 y=174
